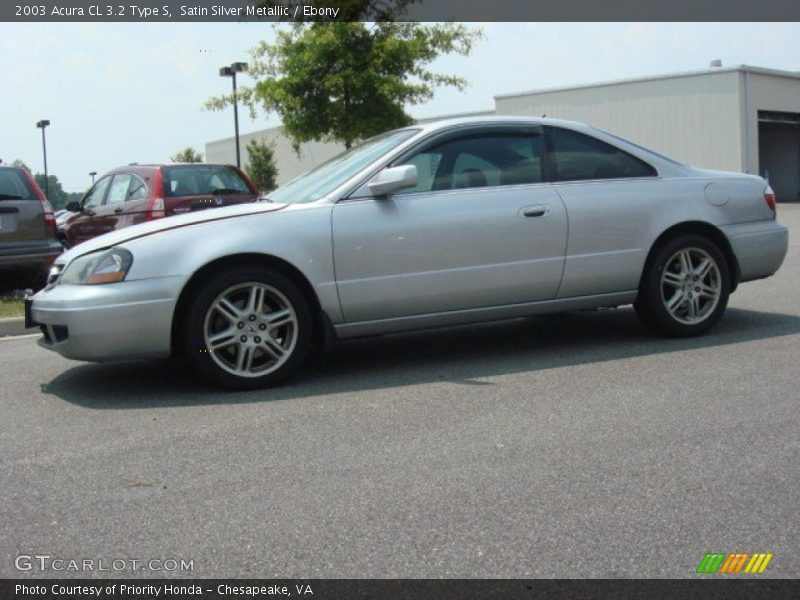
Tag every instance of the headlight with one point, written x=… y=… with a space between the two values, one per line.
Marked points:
x=106 y=266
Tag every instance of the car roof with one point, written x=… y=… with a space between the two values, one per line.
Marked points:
x=445 y=123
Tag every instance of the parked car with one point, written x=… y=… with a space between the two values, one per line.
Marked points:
x=28 y=242
x=138 y=193
x=431 y=225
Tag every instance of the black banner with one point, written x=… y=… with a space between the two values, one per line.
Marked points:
x=394 y=589
x=410 y=10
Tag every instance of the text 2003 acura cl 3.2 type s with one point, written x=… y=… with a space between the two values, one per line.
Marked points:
x=451 y=222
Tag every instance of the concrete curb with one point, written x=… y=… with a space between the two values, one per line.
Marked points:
x=14 y=326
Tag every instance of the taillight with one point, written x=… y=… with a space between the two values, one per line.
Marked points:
x=155 y=206
x=49 y=217
x=769 y=198
x=155 y=209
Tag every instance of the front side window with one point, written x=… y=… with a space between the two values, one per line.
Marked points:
x=475 y=161
x=573 y=156
x=95 y=196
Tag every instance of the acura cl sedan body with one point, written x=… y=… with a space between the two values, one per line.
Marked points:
x=439 y=224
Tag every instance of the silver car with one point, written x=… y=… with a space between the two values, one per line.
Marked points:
x=440 y=224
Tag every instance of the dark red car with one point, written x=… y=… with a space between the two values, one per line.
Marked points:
x=138 y=193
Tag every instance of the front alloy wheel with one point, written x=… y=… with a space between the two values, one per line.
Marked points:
x=248 y=328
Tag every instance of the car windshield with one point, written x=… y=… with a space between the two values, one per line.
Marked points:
x=319 y=182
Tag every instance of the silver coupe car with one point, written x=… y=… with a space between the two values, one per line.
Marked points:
x=445 y=223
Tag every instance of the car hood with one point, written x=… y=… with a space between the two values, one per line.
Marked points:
x=160 y=225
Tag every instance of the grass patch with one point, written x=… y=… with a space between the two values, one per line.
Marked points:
x=11 y=307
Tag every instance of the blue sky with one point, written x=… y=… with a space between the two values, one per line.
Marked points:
x=133 y=92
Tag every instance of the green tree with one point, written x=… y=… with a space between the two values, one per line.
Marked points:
x=261 y=165
x=347 y=81
x=20 y=164
x=187 y=155
x=55 y=192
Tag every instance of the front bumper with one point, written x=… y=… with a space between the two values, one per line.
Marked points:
x=130 y=319
x=759 y=247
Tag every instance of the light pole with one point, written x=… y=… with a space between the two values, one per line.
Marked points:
x=92 y=174
x=41 y=125
x=237 y=67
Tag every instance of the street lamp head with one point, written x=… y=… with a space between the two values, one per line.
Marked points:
x=226 y=72
x=239 y=67
x=92 y=173
x=42 y=124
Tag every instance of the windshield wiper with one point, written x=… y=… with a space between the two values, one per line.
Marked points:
x=10 y=197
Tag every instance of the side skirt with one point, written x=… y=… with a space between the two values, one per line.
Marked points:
x=478 y=315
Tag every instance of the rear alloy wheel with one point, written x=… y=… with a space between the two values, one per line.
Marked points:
x=249 y=328
x=685 y=288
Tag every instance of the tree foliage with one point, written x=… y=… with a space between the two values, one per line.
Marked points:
x=56 y=194
x=261 y=166
x=347 y=81
x=187 y=155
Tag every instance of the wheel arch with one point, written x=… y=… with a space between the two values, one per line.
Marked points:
x=701 y=228
x=323 y=330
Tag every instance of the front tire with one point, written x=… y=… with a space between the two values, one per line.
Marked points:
x=247 y=328
x=685 y=287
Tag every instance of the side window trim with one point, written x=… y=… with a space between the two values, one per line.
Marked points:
x=552 y=169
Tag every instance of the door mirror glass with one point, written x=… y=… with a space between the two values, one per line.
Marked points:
x=393 y=179
x=73 y=206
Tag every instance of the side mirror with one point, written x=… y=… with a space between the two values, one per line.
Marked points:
x=393 y=179
x=73 y=206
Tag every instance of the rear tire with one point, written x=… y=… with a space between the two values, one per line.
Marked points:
x=685 y=287
x=247 y=328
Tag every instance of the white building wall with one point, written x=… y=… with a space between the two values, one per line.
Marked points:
x=693 y=118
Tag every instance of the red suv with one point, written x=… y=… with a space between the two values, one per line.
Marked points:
x=137 y=193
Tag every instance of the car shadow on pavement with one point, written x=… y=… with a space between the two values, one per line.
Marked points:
x=465 y=355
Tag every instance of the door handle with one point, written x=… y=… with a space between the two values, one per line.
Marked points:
x=537 y=210
x=119 y=211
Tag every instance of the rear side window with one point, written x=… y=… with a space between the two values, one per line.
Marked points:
x=197 y=180
x=14 y=186
x=573 y=156
x=118 y=191
x=138 y=189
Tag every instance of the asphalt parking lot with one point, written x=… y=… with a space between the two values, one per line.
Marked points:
x=570 y=446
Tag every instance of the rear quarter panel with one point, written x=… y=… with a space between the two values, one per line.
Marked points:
x=613 y=225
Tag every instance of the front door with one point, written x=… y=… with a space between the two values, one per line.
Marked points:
x=482 y=228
